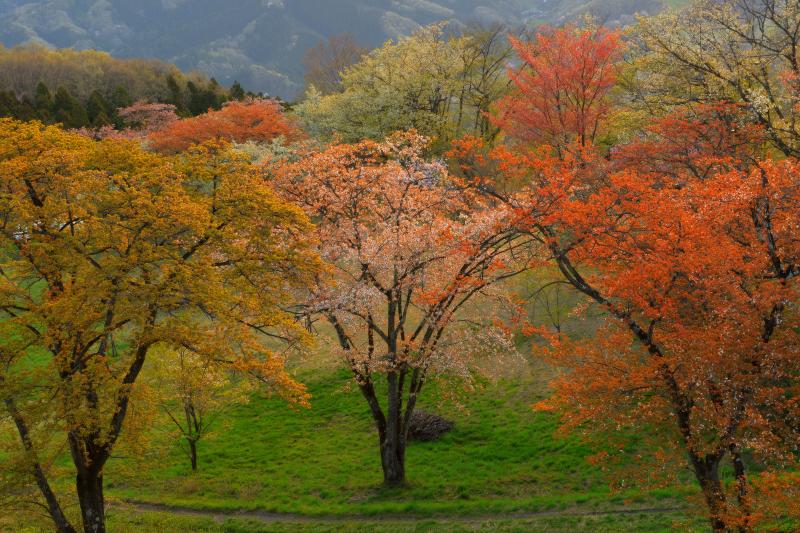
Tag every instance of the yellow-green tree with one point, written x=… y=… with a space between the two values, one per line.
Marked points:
x=106 y=252
x=441 y=86
x=742 y=51
x=194 y=392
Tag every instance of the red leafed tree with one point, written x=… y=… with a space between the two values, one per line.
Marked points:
x=686 y=240
x=410 y=251
x=562 y=86
x=254 y=120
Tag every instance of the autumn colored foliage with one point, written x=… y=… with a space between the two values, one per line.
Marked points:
x=412 y=249
x=108 y=251
x=684 y=238
x=667 y=203
x=562 y=86
x=254 y=120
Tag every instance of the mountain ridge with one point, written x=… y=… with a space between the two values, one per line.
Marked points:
x=261 y=42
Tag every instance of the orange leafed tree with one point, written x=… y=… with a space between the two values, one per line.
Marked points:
x=107 y=252
x=411 y=249
x=685 y=240
x=561 y=87
x=257 y=120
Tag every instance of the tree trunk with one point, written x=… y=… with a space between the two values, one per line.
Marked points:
x=393 y=443
x=741 y=493
x=706 y=470
x=193 y=454
x=90 y=496
x=393 y=459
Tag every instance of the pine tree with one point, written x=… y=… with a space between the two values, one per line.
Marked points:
x=237 y=91
x=176 y=96
x=97 y=109
x=43 y=101
x=68 y=111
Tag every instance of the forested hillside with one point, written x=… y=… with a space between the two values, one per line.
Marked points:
x=261 y=42
x=501 y=279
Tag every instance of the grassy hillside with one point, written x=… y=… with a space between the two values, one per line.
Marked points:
x=501 y=468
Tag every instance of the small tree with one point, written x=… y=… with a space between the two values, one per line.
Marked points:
x=194 y=394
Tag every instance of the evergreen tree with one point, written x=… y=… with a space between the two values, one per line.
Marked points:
x=8 y=104
x=175 y=95
x=43 y=101
x=98 y=109
x=68 y=111
x=120 y=98
x=237 y=91
x=201 y=99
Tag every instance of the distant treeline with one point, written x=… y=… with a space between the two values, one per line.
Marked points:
x=86 y=88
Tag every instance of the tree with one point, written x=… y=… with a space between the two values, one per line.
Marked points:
x=237 y=91
x=121 y=98
x=194 y=395
x=68 y=111
x=562 y=86
x=326 y=62
x=202 y=99
x=253 y=120
x=441 y=86
x=107 y=252
x=175 y=94
x=684 y=240
x=411 y=250
x=147 y=118
x=43 y=101
x=741 y=51
x=98 y=110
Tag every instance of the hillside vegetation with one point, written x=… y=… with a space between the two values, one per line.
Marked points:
x=260 y=43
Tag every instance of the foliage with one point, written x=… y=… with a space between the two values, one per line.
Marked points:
x=254 y=120
x=684 y=241
x=439 y=85
x=738 y=51
x=411 y=249
x=194 y=394
x=326 y=62
x=108 y=251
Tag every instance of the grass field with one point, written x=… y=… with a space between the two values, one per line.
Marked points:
x=502 y=468
x=272 y=467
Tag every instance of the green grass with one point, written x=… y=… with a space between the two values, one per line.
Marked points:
x=502 y=457
x=127 y=521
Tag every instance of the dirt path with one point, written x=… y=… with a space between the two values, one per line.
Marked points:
x=270 y=517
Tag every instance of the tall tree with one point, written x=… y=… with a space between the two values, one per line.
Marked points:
x=437 y=84
x=43 y=101
x=107 y=251
x=68 y=111
x=411 y=252
x=684 y=240
x=743 y=51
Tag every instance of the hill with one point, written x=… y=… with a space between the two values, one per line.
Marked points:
x=261 y=42
x=269 y=467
